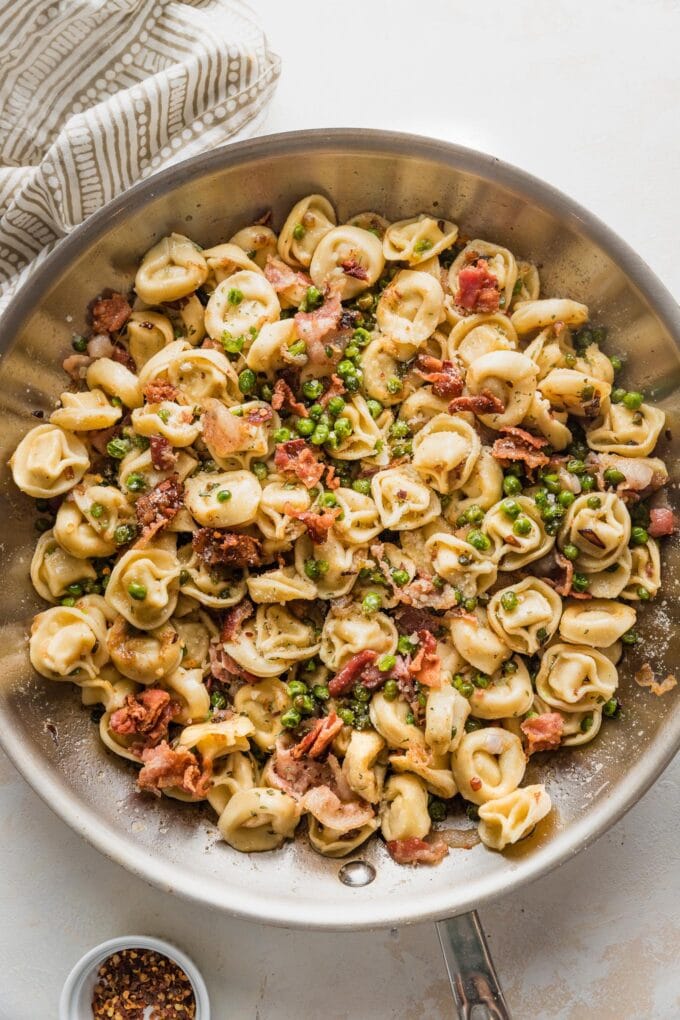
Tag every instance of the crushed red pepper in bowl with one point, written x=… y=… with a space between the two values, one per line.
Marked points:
x=140 y=984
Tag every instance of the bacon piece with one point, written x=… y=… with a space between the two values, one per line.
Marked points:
x=563 y=585
x=485 y=402
x=423 y=594
x=283 y=396
x=537 y=442
x=334 y=813
x=259 y=415
x=234 y=618
x=444 y=376
x=426 y=666
x=543 y=732
x=320 y=327
x=163 y=456
x=286 y=281
x=320 y=737
x=297 y=775
x=317 y=524
x=165 y=767
x=157 y=508
x=218 y=548
x=332 y=481
x=345 y=679
x=645 y=678
x=225 y=668
x=417 y=851
x=158 y=390
x=297 y=458
x=110 y=312
x=661 y=522
x=351 y=267
x=148 y=714
x=410 y=619
x=224 y=432
x=374 y=678
x=123 y=357
x=478 y=288
x=512 y=448
x=336 y=389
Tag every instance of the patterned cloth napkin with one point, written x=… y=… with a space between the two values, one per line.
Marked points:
x=98 y=94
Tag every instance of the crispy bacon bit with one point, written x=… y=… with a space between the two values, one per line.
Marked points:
x=543 y=732
x=225 y=668
x=123 y=357
x=163 y=456
x=423 y=594
x=317 y=524
x=417 y=851
x=374 y=678
x=332 y=481
x=234 y=618
x=283 y=396
x=219 y=548
x=110 y=313
x=475 y=783
x=537 y=442
x=320 y=737
x=661 y=522
x=148 y=714
x=259 y=415
x=518 y=447
x=224 y=432
x=297 y=775
x=563 y=586
x=645 y=678
x=410 y=619
x=164 y=767
x=285 y=280
x=426 y=666
x=157 y=508
x=319 y=328
x=334 y=813
x=297 y=458
x=351 y=267
x=345 y=679
x=336 y=389
x=478 y=288
x=485 y=402
x=444 y=376
x=158 y=390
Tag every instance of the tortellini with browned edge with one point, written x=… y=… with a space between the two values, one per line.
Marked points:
x=478 y=644
x=506 y=694
x=241 y=303
x=404 y=814
x=68 y=642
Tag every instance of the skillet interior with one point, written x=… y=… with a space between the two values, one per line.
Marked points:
x=176 y=846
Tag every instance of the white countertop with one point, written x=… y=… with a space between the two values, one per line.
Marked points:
x=584 y=94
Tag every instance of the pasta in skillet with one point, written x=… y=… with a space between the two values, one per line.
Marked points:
x=341 y=525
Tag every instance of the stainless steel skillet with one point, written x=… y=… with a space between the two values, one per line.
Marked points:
x=51 y=740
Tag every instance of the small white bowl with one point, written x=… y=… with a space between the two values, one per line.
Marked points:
x=76 y=996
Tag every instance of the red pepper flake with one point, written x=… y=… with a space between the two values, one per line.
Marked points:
x=133 y=980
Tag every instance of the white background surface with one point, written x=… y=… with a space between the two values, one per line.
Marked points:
x=585 y=95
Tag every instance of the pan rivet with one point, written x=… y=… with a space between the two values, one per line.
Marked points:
x=356 y=873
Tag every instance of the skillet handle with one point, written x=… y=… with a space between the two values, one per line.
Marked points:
x=473 y=978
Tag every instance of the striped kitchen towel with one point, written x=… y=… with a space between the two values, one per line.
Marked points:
x=98 y=94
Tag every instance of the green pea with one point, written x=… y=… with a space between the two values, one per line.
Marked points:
x=124 y=533
x=405 y=646
x=312 y=388
x=472 y=724
x=297 y=349
x=320 y=434
x=611 y=708
x=386 y=663
x=321 y=692
x=587 y=483
x=469 y=605
x=79 y=343
x=587 y=393
x=478 y=540
x=509 y=601
x=594 y=502
x=343 y=428
x=68 y=601
x=362 y=337
x=353 y=382
x=223 y=496
x=643 y=594
x=570 y=359
x=462 y=685
x=617 y=395
x=509 y=667
x=296 y=687
x=118 y=447
x=304 y=426
x=511 y=485
x=312 y=299
x=566 y=498
x=232 y=344
x=218 y=700
x=400 y=577
x=639 y=536
x=247 y=381
x=136 y=482
x=371 y=603
x=291 y=719
x=633 y=400
x=399 y=430
x=571 y=552
x=576 y=466
x=475 y=514
x=374 y=408
x=511 y=508
x=259 y=469
x=423 y=245
x=137 y=591
x=352 y=352
x=298 y=232
x=390 y=690
x=316 y=412
x=586 y=723
x=522 y=526
x=580 y=582
x=336 y=406
x=616 y=362
x=234 y=296
x=347 y=716
x=394 y=385
x=631 y=637
x=552 y=483
x=304 y=703
x=613 y=476
x=362 y=485
x=437 y=810
x=312 y=569
x=361 y=693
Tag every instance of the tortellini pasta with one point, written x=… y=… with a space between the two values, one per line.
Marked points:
x=340 y=523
